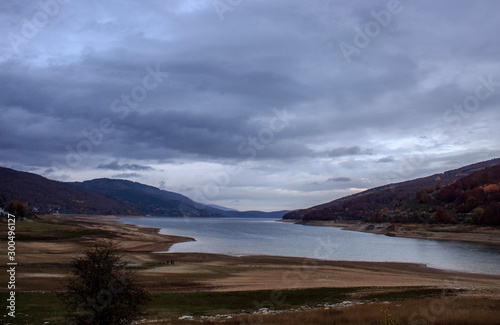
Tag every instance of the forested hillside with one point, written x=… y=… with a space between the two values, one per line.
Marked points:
x=468 y=194
x=42 y=195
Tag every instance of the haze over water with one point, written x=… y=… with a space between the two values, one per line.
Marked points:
x=268 y=237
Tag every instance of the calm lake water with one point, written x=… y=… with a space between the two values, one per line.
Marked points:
x=234 y=236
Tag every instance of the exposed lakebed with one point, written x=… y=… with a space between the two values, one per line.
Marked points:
x=240 y=236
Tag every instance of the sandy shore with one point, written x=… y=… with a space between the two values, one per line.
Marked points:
x=277 y=273
x=46 y=261
x=130 y=238
x=472 y=234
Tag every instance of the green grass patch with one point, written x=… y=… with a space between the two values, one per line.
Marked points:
x=34 y=308
x=42 y=229
x=209 y=303
x=410 y=293
x=38 y=307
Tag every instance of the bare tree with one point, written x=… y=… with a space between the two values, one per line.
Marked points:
x=101 y=291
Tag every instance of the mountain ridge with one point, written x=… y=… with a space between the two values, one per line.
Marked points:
x=107 y=196
x=47 y=196
x=382 y=196
x=151 y=200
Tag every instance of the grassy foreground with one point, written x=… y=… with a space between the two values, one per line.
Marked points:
x=40 y=307
x=410 y=306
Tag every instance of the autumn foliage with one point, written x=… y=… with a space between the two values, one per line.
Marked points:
x=17 y=208
x=470 y=196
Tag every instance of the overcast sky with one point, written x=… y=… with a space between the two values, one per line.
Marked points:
x=251 y=104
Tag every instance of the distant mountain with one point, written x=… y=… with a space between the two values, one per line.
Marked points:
x=253 y=214
x=47 y=196
x=218 y=207
x=107 y=197
x=362 y=205
x=148 y=199
x=232 y=213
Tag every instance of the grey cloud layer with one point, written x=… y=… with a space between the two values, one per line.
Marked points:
x=224 y=78
x=116 y=166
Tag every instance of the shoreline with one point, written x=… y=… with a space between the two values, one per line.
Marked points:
x=350 y=226
x=460 y=233
x=223 y=273
x=46 y=261
x=131 y=237
x=298 y=259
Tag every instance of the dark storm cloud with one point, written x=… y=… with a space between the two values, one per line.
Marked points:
x=221 y=82
x=116 y=166
x=348 y=151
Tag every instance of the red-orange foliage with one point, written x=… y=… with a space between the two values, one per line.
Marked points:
x=491 y=188
x=422 y=196
x=491 y=215
x=443 y=216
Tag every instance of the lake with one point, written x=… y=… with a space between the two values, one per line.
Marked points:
x=238 y=236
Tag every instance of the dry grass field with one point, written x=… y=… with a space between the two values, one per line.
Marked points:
x=445 y=311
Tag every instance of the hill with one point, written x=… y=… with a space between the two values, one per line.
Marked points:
x=148 y=199
x=474 y=199
x=366 y=204
x=47 y=196
x=107 y=197
x=156 y=202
